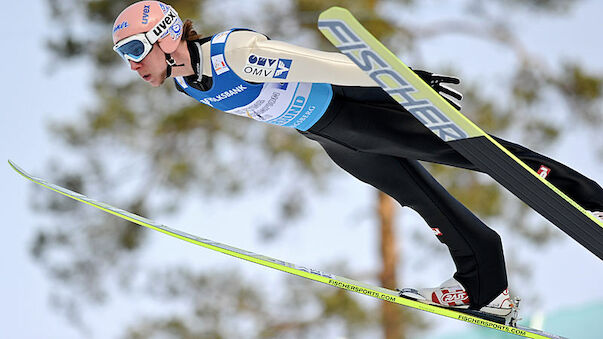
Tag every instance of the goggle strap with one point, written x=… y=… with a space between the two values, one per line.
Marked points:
x=162 y=26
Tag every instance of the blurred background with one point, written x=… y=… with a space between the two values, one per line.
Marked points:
x=73 y=113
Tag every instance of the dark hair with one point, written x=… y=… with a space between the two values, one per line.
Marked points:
x=188 y=32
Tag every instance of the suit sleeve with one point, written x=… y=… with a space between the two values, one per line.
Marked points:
x=256 y=59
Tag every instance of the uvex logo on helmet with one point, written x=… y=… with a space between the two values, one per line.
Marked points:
x=145 y=14
x=161 y=29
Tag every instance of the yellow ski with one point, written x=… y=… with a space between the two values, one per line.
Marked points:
x=401 y=83
x=326 y=278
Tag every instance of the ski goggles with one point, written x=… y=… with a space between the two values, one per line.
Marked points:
x=138 y=46
x=135 y=47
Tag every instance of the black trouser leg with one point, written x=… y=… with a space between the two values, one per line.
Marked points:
x=367 y=119
x=476 y=249
x=579 y=188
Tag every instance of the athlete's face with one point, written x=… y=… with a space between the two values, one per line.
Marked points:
x=152 y=68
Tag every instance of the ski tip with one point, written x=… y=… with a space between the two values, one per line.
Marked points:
x=333 y=10
x=12 y=164
x=16 y=167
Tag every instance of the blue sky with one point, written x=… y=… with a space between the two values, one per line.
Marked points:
x=32 y=96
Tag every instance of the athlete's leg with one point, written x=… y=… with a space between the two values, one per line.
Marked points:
x=476 y=249
x=581 y=189
x=366 y=119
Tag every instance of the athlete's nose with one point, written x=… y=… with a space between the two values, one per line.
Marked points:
x=134 y=65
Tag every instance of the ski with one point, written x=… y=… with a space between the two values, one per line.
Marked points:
x=340 y=27
x=301 y=271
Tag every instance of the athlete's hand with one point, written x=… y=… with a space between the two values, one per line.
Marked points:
x=436 y=81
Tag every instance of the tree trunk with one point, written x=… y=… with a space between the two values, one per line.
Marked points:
x=391 y=319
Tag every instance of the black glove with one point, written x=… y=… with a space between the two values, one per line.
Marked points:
x=435 y=81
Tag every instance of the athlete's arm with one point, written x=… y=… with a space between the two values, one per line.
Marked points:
x=254 y=58
x=307 y=65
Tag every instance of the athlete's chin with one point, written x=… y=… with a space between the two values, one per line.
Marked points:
x=156 y=81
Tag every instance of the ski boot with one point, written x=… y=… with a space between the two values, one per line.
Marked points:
x=451 y=294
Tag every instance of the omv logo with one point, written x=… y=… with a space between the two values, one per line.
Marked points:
x=282 y=68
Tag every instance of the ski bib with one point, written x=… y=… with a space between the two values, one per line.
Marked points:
x=290 y=104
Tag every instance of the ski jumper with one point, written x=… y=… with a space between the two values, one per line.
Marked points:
x=368 y=134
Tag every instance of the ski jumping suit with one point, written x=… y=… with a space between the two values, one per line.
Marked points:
x=372 y=137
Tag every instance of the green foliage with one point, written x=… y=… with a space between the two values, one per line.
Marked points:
x=366 y=13
x=545 y=5
x=582 y=91
x=581 y=85
x=527 y=86
x=224 y=304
